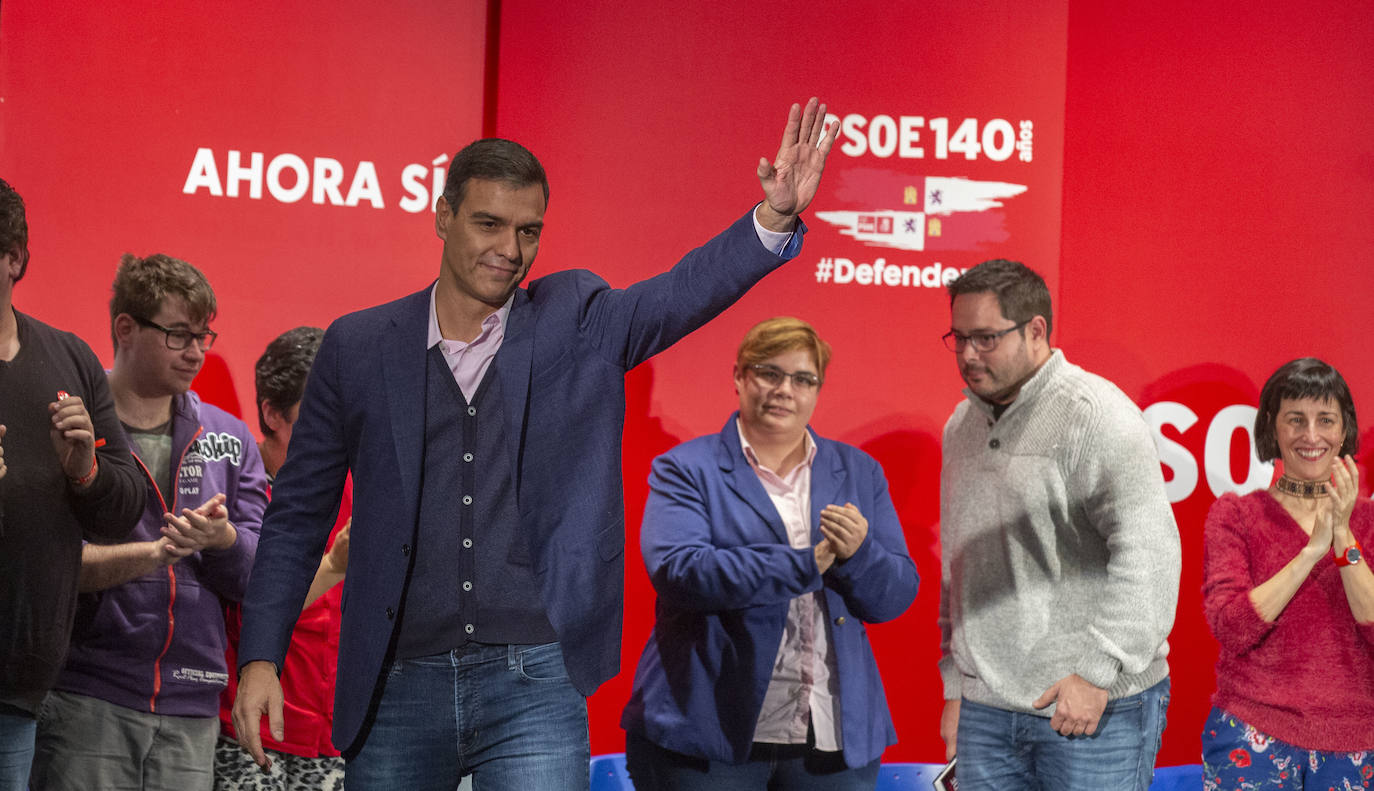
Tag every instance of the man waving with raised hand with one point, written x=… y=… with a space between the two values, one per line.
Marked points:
x=481 y=421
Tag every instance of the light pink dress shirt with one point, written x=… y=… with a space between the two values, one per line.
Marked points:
x=469 y=361
x=804 y=687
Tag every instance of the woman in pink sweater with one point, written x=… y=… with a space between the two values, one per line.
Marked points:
x=1290 y=597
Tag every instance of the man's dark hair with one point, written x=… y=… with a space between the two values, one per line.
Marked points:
x=1305 y=377
x=14 y=229
x=493 y=159
x=1021 y=293
x=281 y=370
x=142 y=284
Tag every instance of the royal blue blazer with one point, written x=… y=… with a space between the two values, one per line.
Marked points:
x=569 y=340
x=718 y=555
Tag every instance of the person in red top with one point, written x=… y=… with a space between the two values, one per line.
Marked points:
x=1289 y=596
x=302 y=756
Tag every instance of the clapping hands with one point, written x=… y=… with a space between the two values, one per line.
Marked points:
x=844 y=528
x=204 y=527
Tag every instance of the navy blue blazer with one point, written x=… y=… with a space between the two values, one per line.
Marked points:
x=718 y=555
x=569 y=340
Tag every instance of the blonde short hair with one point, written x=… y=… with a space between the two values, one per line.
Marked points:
x=775 y=336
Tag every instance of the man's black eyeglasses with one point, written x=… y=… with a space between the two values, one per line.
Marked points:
x=772 y=376
x=982 y=341
x=177 y=340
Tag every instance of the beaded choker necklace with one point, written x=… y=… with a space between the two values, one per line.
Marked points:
x=1308 y=489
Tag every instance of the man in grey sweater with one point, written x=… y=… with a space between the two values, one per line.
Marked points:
x=1060 y=557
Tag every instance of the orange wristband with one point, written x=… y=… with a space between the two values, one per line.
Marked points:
x=88 y=477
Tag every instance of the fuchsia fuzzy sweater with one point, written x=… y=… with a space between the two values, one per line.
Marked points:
x=1308 y=677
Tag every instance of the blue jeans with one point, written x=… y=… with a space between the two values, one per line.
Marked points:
x=1000 y=749
x=16 y=750
x=779 y=767
x=506 y=714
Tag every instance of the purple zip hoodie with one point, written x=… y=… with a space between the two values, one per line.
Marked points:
x=156 y=643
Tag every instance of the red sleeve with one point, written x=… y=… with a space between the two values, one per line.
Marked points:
x=1227 y=578
x=1362 y=527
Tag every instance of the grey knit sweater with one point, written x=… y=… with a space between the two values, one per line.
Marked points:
x=1059 y=549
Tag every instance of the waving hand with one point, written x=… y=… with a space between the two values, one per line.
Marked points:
x=790 y=181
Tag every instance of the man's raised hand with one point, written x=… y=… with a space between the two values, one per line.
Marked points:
x=790 y=181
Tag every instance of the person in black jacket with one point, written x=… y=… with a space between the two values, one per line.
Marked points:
x=66 y=474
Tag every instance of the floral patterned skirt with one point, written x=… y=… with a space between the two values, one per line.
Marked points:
x=1237 y=757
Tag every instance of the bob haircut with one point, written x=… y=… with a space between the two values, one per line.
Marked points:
x=1306 y=377
x=775 y=336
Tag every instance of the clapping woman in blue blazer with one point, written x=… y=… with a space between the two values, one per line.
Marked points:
x=771 y=549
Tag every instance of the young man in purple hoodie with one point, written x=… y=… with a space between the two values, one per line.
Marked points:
x=136 y=705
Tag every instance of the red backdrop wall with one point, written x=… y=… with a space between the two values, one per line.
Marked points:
x=112 y=110
x=1193 y=183
x=1215 y=225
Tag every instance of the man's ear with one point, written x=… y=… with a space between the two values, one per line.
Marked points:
x=273 y=417
x=124 y=326
x=442 y=215
x=14 y=263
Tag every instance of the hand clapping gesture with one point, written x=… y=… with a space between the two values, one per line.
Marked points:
x=845 y=528
x=1355 y=578
x=1345 y=488
x=205 y=527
